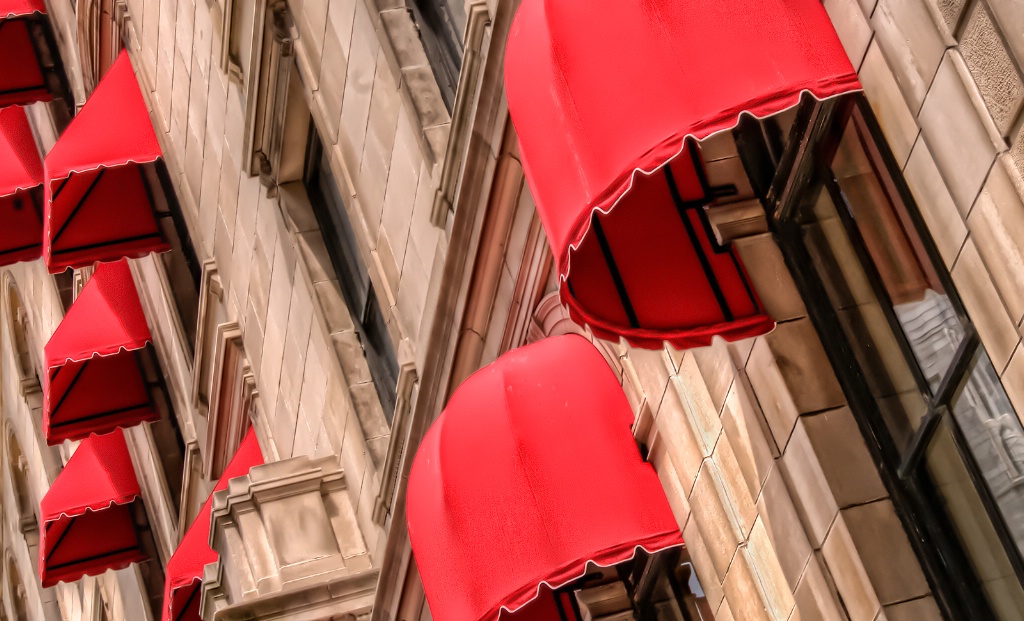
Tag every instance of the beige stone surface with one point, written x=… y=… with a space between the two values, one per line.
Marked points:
x=956 y=136
x=911 y=43
x=945 y=223
x=888 y=559
x=992 y=67
x=888 y=103
x=808 y=487
x=847 y=569
x=782 y=527
x=844 y=457
x=997 y=229
x=815 y=596
x=997 y=330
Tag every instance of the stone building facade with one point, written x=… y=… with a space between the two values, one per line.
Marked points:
x=356 y=237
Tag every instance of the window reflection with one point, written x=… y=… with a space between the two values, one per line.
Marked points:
x=995 y=439
x=960 y=500
x=860 y=313
x=897 y=253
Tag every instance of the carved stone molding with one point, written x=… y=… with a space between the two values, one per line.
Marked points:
x=289 y=546
x=399 y=432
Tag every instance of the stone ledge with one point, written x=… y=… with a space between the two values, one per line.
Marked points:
x=254 y=522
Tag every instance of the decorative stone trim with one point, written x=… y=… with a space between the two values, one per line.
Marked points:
x=264 y=566
x=477 y=32
x=407 y=379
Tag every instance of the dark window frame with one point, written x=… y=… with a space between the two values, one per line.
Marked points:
x=932 y=534
x=353 y=277
x=651 y=581
x=441 y=36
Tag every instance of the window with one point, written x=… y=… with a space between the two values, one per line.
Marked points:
x=909 y=359
x=441 y=24
x=181 y=264
x=658 y=587
x=353 y=276
x=231 y=403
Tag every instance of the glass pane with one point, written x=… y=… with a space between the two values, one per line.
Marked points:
x=995 y=439
x=886 y=369
x=973 y=528
x=892 y=244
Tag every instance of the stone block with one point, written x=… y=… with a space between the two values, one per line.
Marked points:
x=923 y=609
x=771 y=393
x=740 y=502
x=254 y=522
x=697 y=404
x=1013 y=381
x=782 y=526
x=742 y=591
x=716 y=367
x=668 y=473
x=804 y=366
x=888 y=104
x=847 y=569
x=676 y=435
x=997 y=230
x=770 y=277
x=851 y=26
x=778 y=595
x=885 y=552
x=815 y=597
x=651 y=368
x=716 y=519
x=844 y=457
x=991 y=66
x=935 y=203
x=974 y=283
x=743 y=424
x=334 y=69
x=913 y=46
x=808 y=486
x=362 y=66
x=709 y=580
x=955 y=133
x=950 y=11
x=312 y=24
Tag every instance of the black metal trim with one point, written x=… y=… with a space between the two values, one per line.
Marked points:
x=112 y=242
x=78 y=206
x=188 y=602
x=613 y=269
x=19 y=249
x=682 y=207
x=67 y=391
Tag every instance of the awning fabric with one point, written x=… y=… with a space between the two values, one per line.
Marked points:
x=22 y=81
x=21 y=181
x=88 y=524
x=185 y=569
x=530 y=472
x=603 y=95
x=94 y=381
x=99 y=204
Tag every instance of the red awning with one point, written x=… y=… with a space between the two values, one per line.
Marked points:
x=99 y=201
x=21 y=180
x=22 y=78
x=185 y=569
x=530 y=472
x=88 y=524
x=603 y=95
x=94 y=380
